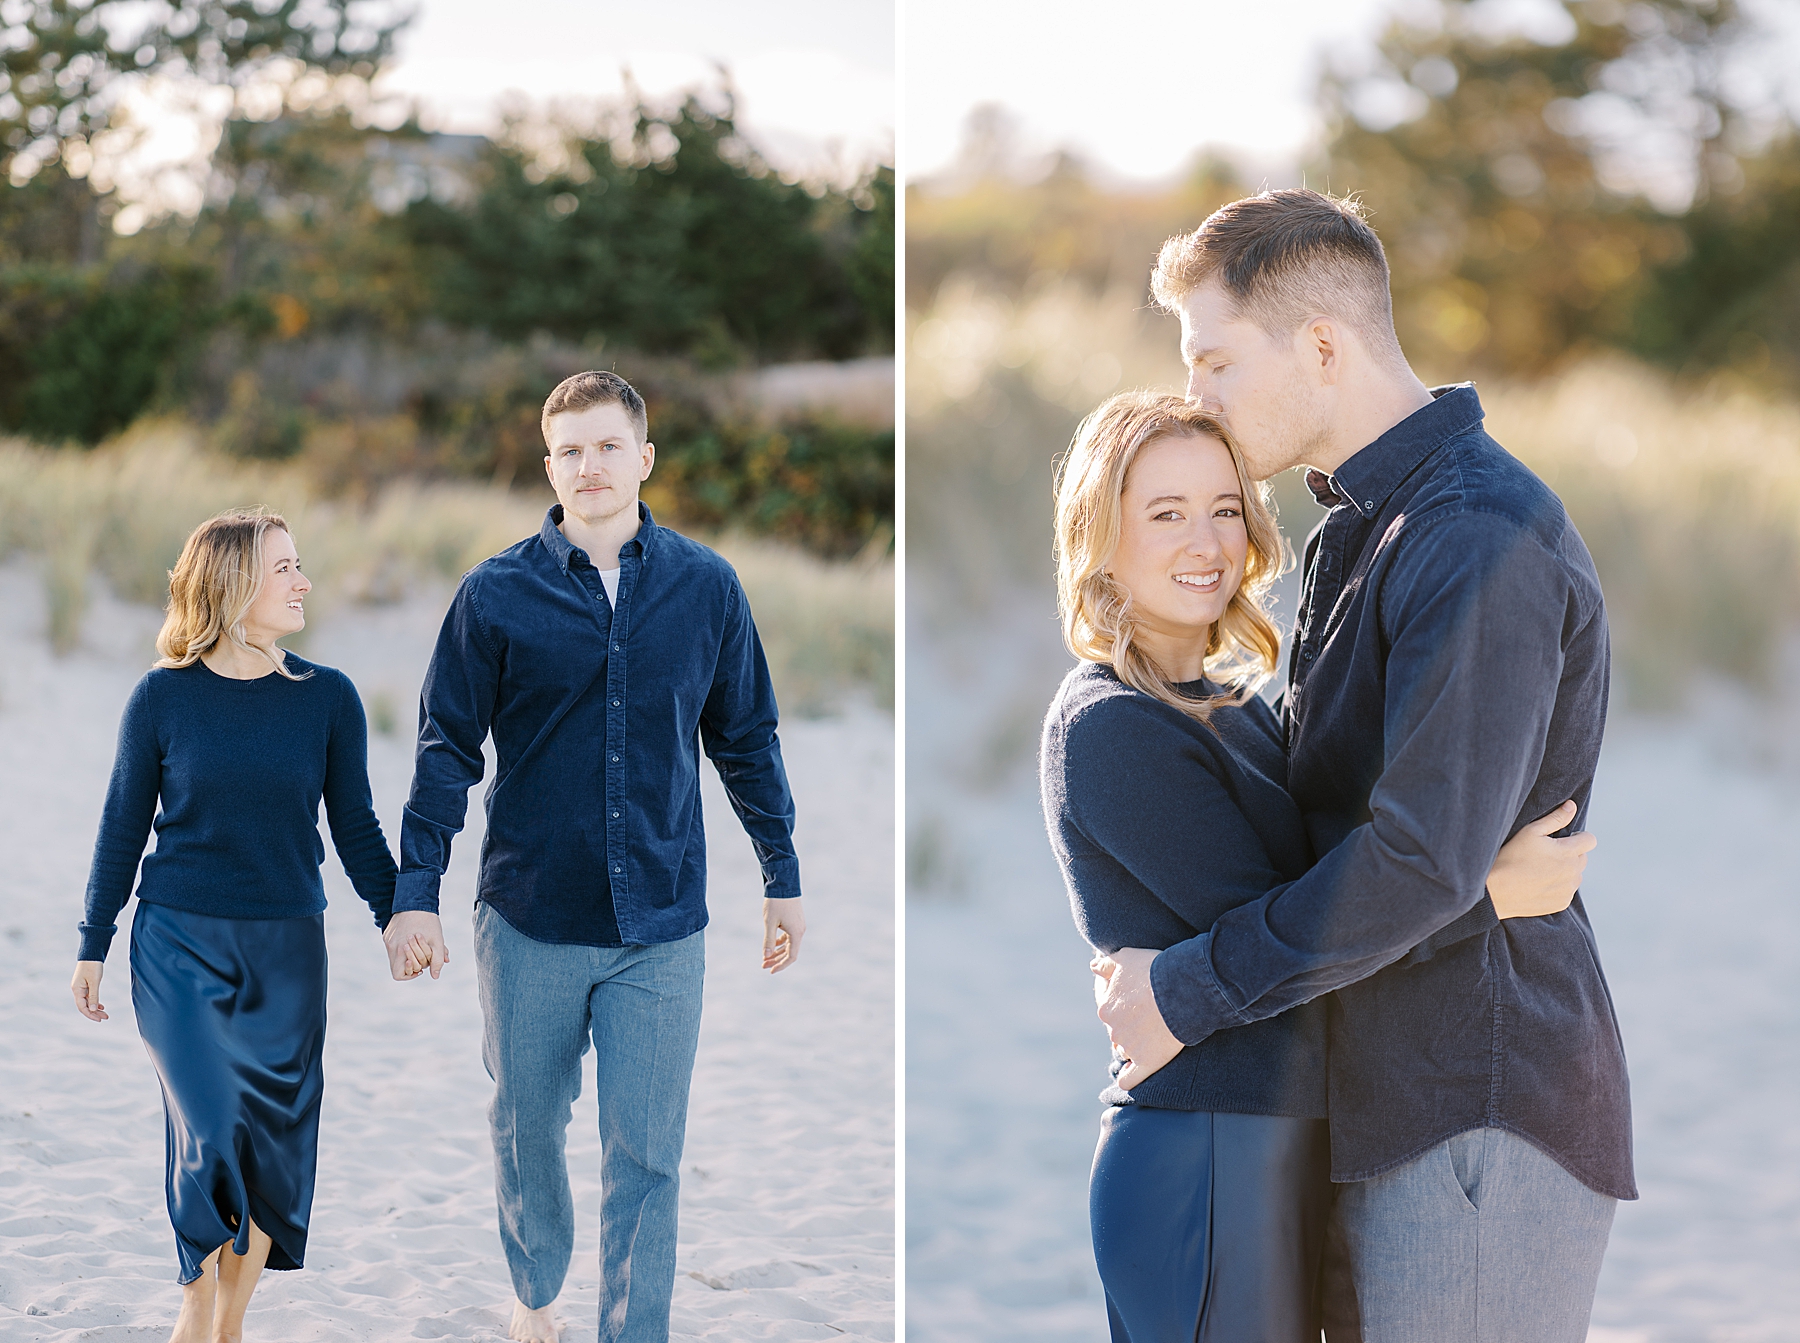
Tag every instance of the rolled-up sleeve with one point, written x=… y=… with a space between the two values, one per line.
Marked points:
x=737 y=731
x=1476 y=613
x=456 y=708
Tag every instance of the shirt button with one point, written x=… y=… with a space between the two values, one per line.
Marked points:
x=615 y=760
x=615 y=704
x=615 y=648
x=615 y=815
x=1369 y=504
x=618 y=867
x=1306 y=655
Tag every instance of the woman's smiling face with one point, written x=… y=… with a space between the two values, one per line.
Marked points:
x=280 y=607
x=1182 y=544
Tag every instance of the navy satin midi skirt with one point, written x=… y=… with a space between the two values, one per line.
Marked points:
x=233 y=1014
x=1208 y=1227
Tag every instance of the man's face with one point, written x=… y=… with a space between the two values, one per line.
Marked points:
x=1264 y=387
x=595 y=462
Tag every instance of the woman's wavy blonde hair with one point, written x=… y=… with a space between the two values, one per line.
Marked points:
x=213 y=586
x=1096 y=611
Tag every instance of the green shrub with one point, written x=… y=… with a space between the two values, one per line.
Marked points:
x=84 y=351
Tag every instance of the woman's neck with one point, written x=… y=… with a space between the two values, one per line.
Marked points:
x=1179 y=660
x=237 y=663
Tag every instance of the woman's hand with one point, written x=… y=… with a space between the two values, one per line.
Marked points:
x=86 y=988
x=1537 y=874
x=414 y=940
x=1127 y=1007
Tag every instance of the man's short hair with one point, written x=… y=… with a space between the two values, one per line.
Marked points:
x=596 y=387
x=1284 y=256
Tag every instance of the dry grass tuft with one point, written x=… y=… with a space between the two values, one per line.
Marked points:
x=123 y=511
x=1689 y=498
x=1690 y=503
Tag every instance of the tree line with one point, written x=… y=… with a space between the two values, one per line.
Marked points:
x=1509 y=176
x=386 y=301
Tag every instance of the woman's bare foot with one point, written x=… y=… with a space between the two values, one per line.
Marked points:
x=534 y=1326
x=194 y=1324
x=237 y=1281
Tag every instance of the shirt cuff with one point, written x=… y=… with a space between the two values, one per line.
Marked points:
x=781 y=880
x=418 y=890
x=1480 y=920
x=1188 y=995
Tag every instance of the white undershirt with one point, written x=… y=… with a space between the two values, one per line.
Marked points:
x=609 y=579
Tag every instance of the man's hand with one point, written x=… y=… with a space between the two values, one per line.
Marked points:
x=1128 y=1007
x=784 y=924
x=414 y=939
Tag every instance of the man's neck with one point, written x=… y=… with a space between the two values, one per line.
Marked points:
x=1365 y=416
x=602 y=538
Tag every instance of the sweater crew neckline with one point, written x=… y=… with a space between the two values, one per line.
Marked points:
x=264 y=679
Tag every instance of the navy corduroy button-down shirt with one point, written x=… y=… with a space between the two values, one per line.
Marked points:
x=1447 y=685
x=594 y=830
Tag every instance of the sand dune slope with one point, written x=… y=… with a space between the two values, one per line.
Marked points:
x=787 y=1197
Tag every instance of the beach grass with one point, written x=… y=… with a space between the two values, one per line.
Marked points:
x=121 y=512
x=1688 y=496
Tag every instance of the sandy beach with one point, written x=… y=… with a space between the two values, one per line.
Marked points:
x=787 y=1187
x=1691 y=894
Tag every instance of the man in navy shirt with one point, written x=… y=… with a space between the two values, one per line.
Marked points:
x=602 y=655
x=1447 y=684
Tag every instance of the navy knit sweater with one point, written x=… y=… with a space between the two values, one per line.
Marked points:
x=239 y=767
x=1161 y=825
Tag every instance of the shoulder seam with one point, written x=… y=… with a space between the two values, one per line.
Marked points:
x=481 y=622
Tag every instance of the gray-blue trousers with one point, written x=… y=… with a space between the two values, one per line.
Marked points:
x=541 y=1004
x=1483 y=1239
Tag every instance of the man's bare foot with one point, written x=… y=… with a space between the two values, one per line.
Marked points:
x=534 y=1326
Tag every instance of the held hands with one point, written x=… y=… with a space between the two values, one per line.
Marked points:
x=784 y=924
x=1127 y=1005
x=86 y=988
x=414 y=939
x=1537 y=874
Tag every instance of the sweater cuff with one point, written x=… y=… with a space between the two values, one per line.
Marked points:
x=1187 y=992
x=417 y=889
x=96 y=941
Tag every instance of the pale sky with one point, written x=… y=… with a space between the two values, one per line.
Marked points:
x=1138 y=87
x=815 y=77
x=815 y=80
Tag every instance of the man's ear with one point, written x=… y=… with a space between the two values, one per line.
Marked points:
x=548 y=473
x=649 y=459
x=1323 y=343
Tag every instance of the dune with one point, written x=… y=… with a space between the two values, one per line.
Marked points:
x=1691 y=894
x=787 y=1214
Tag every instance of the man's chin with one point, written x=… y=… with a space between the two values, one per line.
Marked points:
x=592 y=510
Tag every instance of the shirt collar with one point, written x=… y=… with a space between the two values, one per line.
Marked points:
x=560 y=549
x=1370 y=476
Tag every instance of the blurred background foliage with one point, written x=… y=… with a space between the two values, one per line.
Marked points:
x=371 y=303
x=1592 y=219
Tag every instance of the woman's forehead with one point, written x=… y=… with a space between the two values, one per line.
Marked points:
x=1189 y=454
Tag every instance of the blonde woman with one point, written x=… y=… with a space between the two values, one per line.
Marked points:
x=1164 y=786
x=237 y=740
